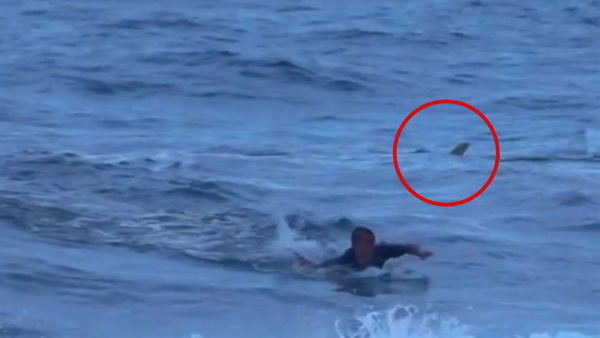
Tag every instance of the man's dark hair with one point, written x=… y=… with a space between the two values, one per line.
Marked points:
x=361 y=231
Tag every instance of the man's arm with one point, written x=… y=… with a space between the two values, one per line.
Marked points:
x=397 y=250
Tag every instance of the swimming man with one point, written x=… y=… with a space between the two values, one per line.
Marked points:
x=366 y=253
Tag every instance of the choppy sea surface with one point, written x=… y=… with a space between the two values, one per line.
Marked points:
x=160 y=160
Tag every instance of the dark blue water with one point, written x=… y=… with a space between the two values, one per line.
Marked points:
x=160 y=160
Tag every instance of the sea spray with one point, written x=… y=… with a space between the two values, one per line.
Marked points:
x=401 y=322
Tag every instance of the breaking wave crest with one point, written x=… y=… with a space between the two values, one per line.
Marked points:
x=409 y=322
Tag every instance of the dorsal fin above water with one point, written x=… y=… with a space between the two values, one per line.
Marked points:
x=460 y=149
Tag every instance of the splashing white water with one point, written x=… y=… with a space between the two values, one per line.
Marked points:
x=289 y=242
x=409 y=322
x=405 y=322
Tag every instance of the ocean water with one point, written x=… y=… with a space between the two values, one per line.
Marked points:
x=161 y=160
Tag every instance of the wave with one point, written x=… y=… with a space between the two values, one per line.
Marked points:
x=109 y=86
x=401 y=321
x=160 y=20
x=572 y=198
x=288 y=71
x=409 y=322
x=21 y=331
x=280 y=70
x=543 y=158
x=227 y=150
x=588 y=226
x=148 y=179
x=533 y=102
x=155 y=213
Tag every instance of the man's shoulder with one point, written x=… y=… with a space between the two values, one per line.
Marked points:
x=348 y=252
x=389 y=248
x=385 y=246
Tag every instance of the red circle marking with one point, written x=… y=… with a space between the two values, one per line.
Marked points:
x=468 y=199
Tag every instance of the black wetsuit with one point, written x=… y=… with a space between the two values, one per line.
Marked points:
x=383 y=252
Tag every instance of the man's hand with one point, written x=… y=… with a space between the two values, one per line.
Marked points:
x=424 y=253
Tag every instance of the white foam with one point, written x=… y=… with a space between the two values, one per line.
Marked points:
x=409 y=322
x=405 y=322
x=559 y=335
x=370 y=273
x=288 y=241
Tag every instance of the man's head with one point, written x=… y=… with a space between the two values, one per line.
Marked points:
x=363 y=243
